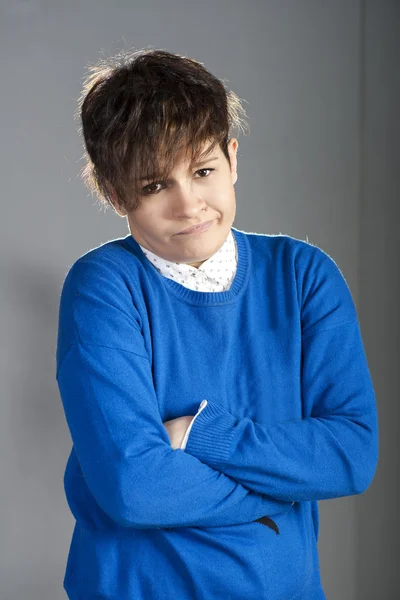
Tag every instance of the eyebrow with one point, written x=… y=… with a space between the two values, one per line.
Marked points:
x=203 y=162
x=207 y=160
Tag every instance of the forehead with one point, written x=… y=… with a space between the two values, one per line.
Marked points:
x=204 y=153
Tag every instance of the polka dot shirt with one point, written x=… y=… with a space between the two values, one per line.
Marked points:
x=214 y=275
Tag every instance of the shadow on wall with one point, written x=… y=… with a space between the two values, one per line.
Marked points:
x=35 y=440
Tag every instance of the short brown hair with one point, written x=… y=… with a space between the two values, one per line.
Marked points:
x=139 y=110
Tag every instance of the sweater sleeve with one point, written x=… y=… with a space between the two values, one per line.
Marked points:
x=333 y=450
x=105 y=381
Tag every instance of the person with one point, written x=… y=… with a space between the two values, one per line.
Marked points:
x=214 y=383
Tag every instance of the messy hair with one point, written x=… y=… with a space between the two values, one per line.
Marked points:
x=139 y=110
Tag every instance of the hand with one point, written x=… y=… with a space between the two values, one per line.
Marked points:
x=176 y=429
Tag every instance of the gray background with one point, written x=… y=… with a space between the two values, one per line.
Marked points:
x=322 y=93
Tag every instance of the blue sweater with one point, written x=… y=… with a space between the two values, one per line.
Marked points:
x=290 y=419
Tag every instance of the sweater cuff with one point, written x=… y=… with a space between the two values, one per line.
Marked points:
x=211 y=434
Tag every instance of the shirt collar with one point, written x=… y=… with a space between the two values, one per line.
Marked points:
x=219 y=268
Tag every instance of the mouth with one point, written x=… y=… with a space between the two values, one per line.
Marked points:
x=197 y=229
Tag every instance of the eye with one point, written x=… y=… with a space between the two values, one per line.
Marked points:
x=205 y=169
x=148 y=191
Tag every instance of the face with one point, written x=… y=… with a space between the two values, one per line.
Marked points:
x=205 y=193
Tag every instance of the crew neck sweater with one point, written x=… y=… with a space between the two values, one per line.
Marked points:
x=290 y=420
x=214 y=275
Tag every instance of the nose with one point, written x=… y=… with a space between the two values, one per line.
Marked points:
x=186 y=200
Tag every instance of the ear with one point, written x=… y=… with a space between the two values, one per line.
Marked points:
x=233 y=146
x=118 y=209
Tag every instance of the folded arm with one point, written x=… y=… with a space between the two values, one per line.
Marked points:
x=333 y=450
x=106 y=386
